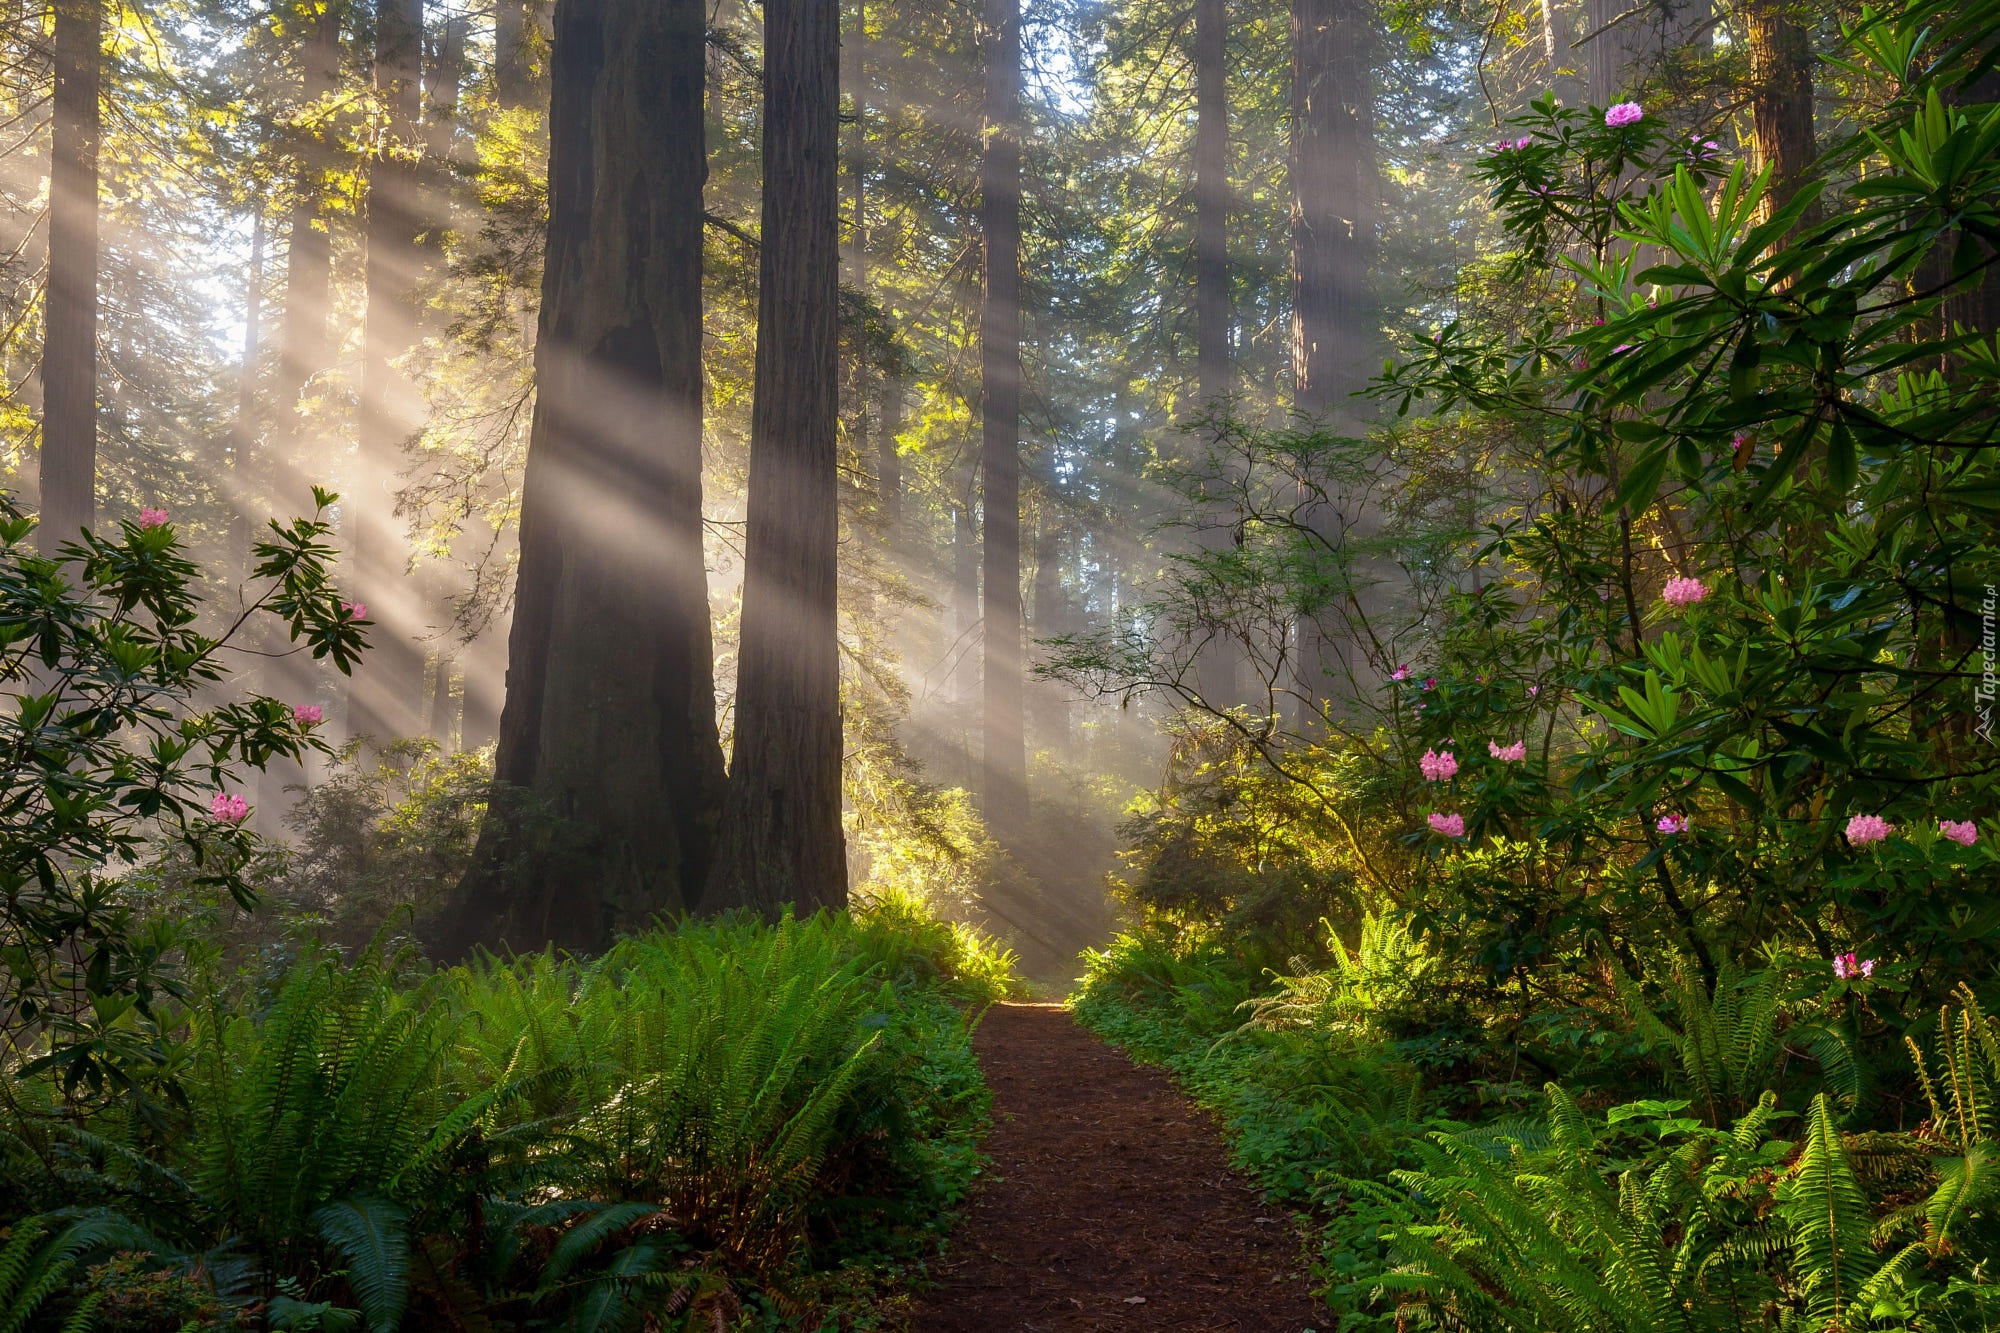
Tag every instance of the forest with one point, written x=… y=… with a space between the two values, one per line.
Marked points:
x=1035 y=664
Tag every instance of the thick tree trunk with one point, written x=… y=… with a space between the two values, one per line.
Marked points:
x=781 y=839
x=1211 y=200
x=1781 y=100
x=609 y=722
x=69 y=346
x=387 y=693
x=1005 y=786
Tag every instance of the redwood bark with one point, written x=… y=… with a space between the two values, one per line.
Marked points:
x=1211 y=200
x=781 y=840
x=1332 y=115
x=1332 y=124
x=304 y=351
x=609 y=722
x=388 y=689
x=69 y=343
x=1781 y=101
x=1005 y=786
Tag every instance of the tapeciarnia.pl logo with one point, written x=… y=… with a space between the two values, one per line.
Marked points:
x=1989 y=676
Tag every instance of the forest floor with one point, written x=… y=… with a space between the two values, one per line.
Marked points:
x=1110 y=1205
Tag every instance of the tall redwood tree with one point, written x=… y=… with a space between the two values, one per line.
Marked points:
x=781 y=836
x=69 y=344
x=1006 y=760
x=608 y=765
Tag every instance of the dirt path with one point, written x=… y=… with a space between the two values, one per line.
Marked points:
x=1112 y=1204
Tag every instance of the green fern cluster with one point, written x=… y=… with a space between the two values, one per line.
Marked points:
x=659 y=1134
x=1648 y=1221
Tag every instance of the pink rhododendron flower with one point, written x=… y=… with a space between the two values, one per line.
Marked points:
x=1521 y=142
x=1683 y=592
x=152 y=518
x=1402 y=672
x=1961 y=832
x=1430 y=682
x=1623 y=114
x=1508 y=754
x=228 y=807
x=1864 y=829
x=1451 y=826
x=1847 y=967
x=308 y=715
x=1534 y=690
x=1671 y=824
x=359 y=610
x=1438 y=767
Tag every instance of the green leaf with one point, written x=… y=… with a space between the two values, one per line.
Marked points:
x=1643 y=481
x=372 y=1236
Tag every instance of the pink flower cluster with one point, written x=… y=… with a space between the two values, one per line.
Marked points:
x=359 y=610
x=1682 y=593
x=1960 y=831
x=1864 y=829
x=152 y=518
x=229 y=807
x=1451 y=826
x=1508 y=754
x=1402 y=672
x=1438 y=767
x=1671 y=824
x=1623 y=114
x=1847 y=967
x=308 y=715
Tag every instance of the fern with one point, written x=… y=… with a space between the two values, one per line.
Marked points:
x=1827 y=1213
x=372 y=1235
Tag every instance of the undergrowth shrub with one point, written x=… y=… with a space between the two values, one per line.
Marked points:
x=708 y=1122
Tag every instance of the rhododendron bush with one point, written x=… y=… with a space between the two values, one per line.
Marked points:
x=122 y=733
x=1643 y=631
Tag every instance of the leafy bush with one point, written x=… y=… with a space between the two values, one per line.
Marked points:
x=689 y=1127
x=110 y=746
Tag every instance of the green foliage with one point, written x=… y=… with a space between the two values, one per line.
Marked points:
x=111 y=744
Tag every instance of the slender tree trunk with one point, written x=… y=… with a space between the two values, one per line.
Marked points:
x=1211 y=200
x=854 y=252
x=243 y=435
x=69 y=347
x=609 y=722
x=518 y=28
x=440 y=719
x=388 y=690
x=1216 y=666
x=888 y=459
x=781 y=839
x=1332 y=126
x=1005 y=788
x=964 y=606
x=1627 y=40
x=1781 y=104
x=441 y=92
x=1332 y=115
x=304 y=351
